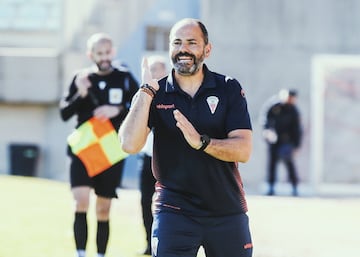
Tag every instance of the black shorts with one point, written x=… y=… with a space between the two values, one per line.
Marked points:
x=104 y=184
x=174 y=234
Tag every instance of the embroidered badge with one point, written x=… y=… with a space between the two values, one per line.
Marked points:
x=115 y=95
x=212 y=103
x=102 y=85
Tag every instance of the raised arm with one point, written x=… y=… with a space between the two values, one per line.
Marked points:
x=134 y=129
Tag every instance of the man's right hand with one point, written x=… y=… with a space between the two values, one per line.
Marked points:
x=82 y=83
x=146 y=75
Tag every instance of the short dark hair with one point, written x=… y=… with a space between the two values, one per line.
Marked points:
x=204 y=31
x=193 y=21
x=293 y=92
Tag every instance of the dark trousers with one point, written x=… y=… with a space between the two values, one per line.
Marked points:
x=147 y=188
x=220 y=236
x=274 y=159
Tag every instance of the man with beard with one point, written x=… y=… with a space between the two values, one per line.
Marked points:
x=104 y=93
x=202 y=129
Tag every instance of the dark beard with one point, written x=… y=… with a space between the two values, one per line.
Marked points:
x=107 y=68
x=184 y=69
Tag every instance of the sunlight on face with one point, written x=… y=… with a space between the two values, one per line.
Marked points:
x=187 y=49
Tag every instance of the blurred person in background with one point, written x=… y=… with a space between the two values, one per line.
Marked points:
x=104 y=93
x=202 y=130
x=283 y=134
x=158 y=69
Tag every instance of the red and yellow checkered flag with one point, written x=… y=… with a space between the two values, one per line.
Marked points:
x=97 y=145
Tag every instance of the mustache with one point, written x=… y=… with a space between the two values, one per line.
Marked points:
x=101 y=63
x=107 y=61
x=185 y=55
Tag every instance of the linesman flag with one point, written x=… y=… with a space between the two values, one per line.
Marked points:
x=97 y=145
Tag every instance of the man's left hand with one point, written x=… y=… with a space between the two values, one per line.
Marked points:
x=104 y=112
x=188 y=130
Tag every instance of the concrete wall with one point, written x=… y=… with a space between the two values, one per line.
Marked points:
x=32 y=75
x=29 y=111
x=268 y=45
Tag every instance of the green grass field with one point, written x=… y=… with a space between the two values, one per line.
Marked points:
x=37 y=214
x=36 y=218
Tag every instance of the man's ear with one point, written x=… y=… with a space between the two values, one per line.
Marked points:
x=89 y=55
x=208 y=50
